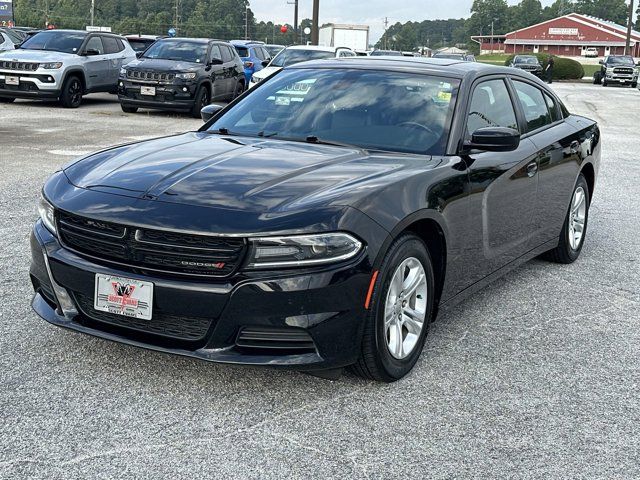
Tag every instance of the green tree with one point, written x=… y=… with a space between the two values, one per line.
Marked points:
x=484 y=13
x=614 y=10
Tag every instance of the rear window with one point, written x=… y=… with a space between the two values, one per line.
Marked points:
x=242 y=51
x=293 y=56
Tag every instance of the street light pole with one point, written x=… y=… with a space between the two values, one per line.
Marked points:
x=246 y=23
x=492 y=36
x=627 y=48
x=93 y=11
x=315 y=27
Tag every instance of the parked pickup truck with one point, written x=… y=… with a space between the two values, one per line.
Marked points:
x=620 y=69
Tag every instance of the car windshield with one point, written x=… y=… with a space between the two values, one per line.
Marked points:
x=66 y=42
x=450 y=56
x=295 y=55
x=621 y=61
x=376 y=110
x=178 y=50
x=242 y=51
x=380 y=53
x=527 y=60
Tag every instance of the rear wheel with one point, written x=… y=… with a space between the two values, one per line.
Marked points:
x=7 y=100
x=72 y=90
x=634 y=85
x=238 y=90
x=574 y=229
x=202 y=100
x=401 y=311
x=128 y=108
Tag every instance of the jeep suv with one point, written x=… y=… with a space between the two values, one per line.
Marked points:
x=63 y=65
x=181 y=74
x=528 y=63
x=620 y=69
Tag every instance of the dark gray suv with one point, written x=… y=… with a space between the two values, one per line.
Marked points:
x=64 y=65
x=182 y=74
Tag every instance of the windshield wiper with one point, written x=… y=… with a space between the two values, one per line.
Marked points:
x=223 y=131
x=320 y=141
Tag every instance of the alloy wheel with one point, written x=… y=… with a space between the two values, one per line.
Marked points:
x=405 y=308
x=577 y=218
x=75 y=91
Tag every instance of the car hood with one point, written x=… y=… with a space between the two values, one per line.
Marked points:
x=266 y=72
x=20 y=55
x=155 y=64
x=240 y=173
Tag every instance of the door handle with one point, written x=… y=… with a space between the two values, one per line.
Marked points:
x=532 y=169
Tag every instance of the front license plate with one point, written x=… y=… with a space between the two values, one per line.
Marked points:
x=123 y=296
x=150 y=91
x=12 y=80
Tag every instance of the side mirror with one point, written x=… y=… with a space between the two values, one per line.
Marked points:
x=139 y=54
x=91 y=52
x=215 y=61
x=494 y=139
x=266 y=63
x=208 y=112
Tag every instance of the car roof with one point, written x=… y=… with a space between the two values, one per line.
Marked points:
x=449 y=67
x=317 y=48
x=246 y=43
x=189 y=39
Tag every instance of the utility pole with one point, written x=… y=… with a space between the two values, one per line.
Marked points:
x=627 y=48
x=246 y=23
x=176 y=16
x=492 y=36
x=386 y=37
x=295 y=17
x=315 y=27
x=93 y=11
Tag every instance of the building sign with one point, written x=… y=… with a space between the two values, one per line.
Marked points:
x=572 y=32
x=6 y=13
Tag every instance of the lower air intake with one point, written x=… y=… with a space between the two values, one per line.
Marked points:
x=276 y=340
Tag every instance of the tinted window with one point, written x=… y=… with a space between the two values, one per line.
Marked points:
x=121 y=46
x=258 y=52
x=491 y=107
x=178 y=50
x=553 y=108
x=292 y=56
x=226 y=53
x=215 y=52
x=535 y=108
x=95 y=43
x=242 y=51
x=392 y=111
x=139 y=45
x=55 y=41
x=110 y=45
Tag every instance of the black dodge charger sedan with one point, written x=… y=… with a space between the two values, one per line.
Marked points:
x=320 y=220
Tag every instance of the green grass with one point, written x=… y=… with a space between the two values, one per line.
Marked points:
x=499 y=59
x=590 y=70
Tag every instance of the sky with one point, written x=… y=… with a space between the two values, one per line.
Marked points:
x=369 y=12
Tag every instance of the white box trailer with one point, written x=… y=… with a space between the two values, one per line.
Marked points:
x=355 y=37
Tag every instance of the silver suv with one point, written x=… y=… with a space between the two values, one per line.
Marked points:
x=63 y=65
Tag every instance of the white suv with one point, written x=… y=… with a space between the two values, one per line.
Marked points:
x=297 y=54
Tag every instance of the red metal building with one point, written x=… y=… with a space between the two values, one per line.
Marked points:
x=569 y=35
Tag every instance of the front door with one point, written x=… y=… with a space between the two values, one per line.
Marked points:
x=503 y=185
x=97 y=64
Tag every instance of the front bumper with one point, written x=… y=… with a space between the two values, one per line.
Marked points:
x=169 y=96
x=614 y=78
x=43 y=84
x=324 y=305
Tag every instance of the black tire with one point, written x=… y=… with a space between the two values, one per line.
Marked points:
x=72 y=90
x=202 y=100
x=564 y=252
x=597 y=78
x=7 y=100
x=376 y=361
x=604 y=83
x=128 y=108
x=239 y=90
x=634 y=85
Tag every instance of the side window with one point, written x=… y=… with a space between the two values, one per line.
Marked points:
x=257 y=51
x=226 y=53
x=110 y=45
x=265 y=55
x=553 y=108
x=95 y=43
x=491 y=107
x=533 y=104
x=121 y=46
x=215 y=52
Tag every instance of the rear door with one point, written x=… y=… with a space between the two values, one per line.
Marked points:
x=216 y=73
x=114 y=50
x=97 y=67
x=503 y=185
x=228 y=69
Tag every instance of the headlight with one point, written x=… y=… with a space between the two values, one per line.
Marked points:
x=46 y=211
x=123 y=72
x=301 y=250
x=51 y=66
x=610 y=71
x=186 y=76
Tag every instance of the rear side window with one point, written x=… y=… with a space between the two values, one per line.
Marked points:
x=553 y=108
x=533 y=104
x=110 y=45
x=491 y=107
x=121 y=46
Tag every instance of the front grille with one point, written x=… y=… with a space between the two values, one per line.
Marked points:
x=154 y=76
x=166 y=325
x=158 y=250
x=21 y=66
x=275 y=339
x=623 y=71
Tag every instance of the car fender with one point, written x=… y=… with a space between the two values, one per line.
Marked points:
x=75 y=70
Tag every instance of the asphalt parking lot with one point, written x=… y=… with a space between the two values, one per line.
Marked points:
x=537 y=376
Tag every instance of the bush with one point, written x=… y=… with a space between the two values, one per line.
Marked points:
x=564 y=68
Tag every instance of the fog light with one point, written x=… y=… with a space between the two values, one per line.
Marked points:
x=121 y=84
x=64 y=300
x=185 y=89
x=50 y=79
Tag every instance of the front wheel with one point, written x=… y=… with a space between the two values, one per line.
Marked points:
x=7 y=100
x=634 y=85
x=574 y=229
x=72 y=90
x=401 y=311
x=202 y=100
x=128 y=108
